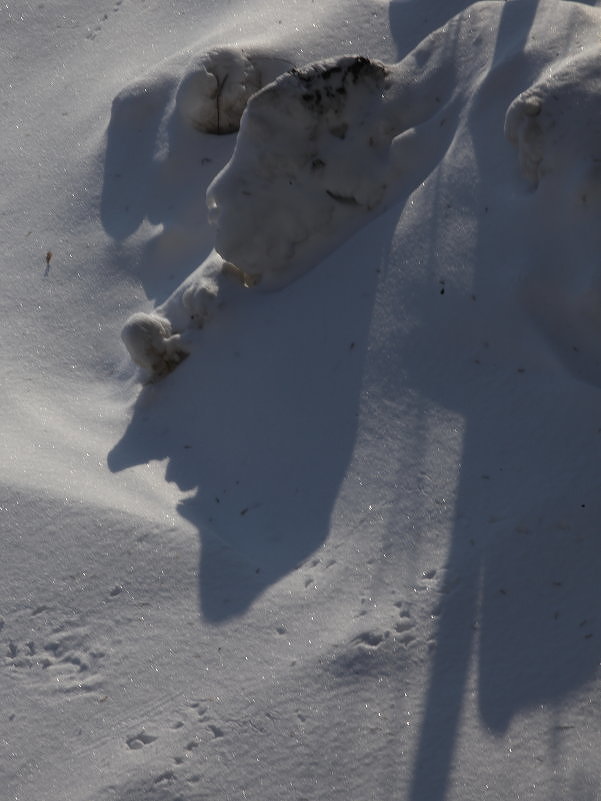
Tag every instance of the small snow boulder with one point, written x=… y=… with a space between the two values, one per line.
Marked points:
x=556 y=123
x=216 y=87
x=151 y=343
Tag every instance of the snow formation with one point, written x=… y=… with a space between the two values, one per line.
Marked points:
x=349 y=548
x=215 y=89
x=321 y=151
x=326 y=147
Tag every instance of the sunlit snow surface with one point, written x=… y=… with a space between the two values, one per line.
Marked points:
x=338 y=540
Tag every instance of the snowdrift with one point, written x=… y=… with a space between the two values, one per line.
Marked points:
x=347 y=546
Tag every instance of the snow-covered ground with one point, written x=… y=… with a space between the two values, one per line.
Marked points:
x=334 y=541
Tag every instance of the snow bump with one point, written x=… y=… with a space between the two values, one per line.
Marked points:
x=312 y=161
x=151 y=343
x=216 y=87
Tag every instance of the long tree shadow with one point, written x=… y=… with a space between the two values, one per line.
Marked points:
x=520 y=576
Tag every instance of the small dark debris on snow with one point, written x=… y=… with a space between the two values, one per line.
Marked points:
x=348 y=200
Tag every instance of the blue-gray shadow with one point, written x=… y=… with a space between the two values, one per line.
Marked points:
x=129 y=181
x=259 y=423
x=409 y=29
x=530 y=627
x=157 y=168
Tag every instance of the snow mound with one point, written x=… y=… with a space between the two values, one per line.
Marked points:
x=321 y=150
x=555 y=125
x=216 y=87
x=557 y=121
x=151 y=343
x=315 y=158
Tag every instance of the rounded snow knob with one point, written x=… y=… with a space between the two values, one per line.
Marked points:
x=214 y=92
x=524 y=126
x=151 y=342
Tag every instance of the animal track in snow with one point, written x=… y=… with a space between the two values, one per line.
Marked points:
x=371 y=639
x=137 y=741
x=405 y=625
x=64 y=656
x=194 y=728
x=175 y=749
x=97 y=29
x=381 y=640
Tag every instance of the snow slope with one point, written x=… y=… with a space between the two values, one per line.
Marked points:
x=348 y=547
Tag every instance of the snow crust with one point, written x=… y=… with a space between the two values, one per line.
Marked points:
x=348 y=548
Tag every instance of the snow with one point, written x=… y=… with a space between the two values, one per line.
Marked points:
x=215 y=89
x=337 y=540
